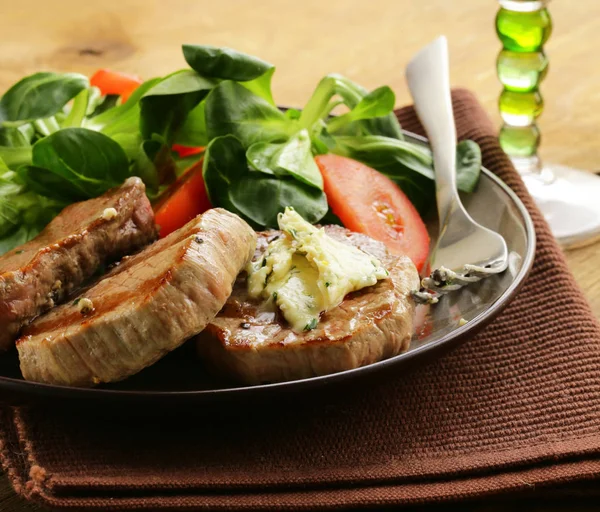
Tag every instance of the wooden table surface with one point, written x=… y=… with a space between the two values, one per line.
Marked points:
x=368 y=41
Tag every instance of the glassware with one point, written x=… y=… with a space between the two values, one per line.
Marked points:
x=567 y=197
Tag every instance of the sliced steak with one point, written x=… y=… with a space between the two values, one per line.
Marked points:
x=145 y=307
x=255 y=345
x=82 y=239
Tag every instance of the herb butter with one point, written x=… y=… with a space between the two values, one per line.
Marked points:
x=306 y=272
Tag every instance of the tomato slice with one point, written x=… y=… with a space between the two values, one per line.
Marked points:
x=368 y=202
x=184 y=199
x=114 y=82
x=184 y=151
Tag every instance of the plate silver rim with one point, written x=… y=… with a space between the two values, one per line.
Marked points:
x=24 y=387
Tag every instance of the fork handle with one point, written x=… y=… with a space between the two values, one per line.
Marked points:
x=427 y=75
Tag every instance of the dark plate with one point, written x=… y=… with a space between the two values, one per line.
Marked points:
x=179 y=378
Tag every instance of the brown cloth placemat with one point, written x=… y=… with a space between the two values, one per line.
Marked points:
x=514 y=409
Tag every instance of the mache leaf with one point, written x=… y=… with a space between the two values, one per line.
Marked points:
x=261 y=199
x=166 y=105
x=90 y=160
x=231 y=109
x=468 y=165
x=227 y=64
x=256 y=196
x=40 y=95
x=292 y=158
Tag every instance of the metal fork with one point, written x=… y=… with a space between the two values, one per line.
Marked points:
x=465 y=252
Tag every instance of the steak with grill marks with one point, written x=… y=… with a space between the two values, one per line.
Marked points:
x=148 y=305
x=83 y=238
x=253 y=344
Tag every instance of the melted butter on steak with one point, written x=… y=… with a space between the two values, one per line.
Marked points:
x=252 y=343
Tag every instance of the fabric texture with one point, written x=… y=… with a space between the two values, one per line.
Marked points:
x=514 y=409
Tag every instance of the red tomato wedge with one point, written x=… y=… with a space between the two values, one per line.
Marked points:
x=368 y=202
x=184 y=199
x=184 y=151
x=114 y=82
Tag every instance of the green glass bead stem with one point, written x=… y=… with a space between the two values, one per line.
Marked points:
x=523 y=26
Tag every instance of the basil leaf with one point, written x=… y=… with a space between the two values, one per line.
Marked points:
x=468 y=165
x=90 y=160
x=232 y=109
x=165 y=106
x=293 y=158
x=228 y=64
x=40 y=95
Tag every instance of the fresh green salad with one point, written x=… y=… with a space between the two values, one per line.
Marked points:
x=62 y=140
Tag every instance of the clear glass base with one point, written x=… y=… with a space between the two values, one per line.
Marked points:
x=570 y=201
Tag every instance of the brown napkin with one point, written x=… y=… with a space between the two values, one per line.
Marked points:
x=515 y=408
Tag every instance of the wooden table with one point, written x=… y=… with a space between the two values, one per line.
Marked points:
x=369 y=41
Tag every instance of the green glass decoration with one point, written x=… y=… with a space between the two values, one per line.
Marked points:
x=567 y=197
x=523 y=26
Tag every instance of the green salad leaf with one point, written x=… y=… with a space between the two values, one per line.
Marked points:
x=261 y=199
x=23 y=214
x=78 y=110
x=404 y=161
x=468 y=165
x=391 y=157
x=193 y=130
x=17 y=136
x=40 y=95
x=227 y=64
x=15 y=156
x=231 y=109
x=50 y=185
x=321 y=104
x=256 y=196
x=165 y=106
x=224 y=163
x=292 y=157
x=90 y=160
x=62 y=141
x=377 y=103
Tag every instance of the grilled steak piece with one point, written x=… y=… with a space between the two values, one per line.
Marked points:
x=252 y=344
x=76 y=244
x=145 y=307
